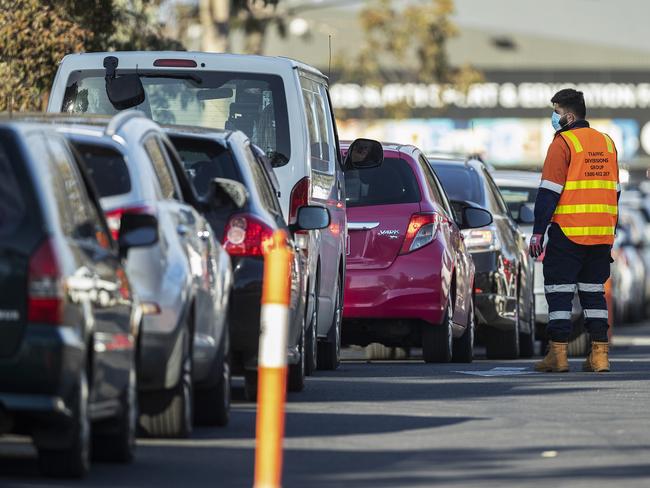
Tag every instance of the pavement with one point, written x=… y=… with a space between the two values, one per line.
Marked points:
x=403 y=423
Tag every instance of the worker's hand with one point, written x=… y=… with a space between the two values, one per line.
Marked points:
x=536 y=245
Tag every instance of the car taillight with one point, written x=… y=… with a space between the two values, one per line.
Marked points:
x=299 y=198
x=45 y=287
x=245 y=235
x=114 y=217
x=175 y=63
x=480 y=239
x=421 y=231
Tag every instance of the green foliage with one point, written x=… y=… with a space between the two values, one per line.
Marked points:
x=36 y=34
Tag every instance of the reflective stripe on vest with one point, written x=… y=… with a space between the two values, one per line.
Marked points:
x=588 y=205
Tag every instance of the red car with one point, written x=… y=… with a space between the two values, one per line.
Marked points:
x=409 y=278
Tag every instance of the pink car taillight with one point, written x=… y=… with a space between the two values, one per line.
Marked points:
x=421 y=231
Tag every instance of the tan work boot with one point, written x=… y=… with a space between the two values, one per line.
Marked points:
x=556 y=360
x=598 y=359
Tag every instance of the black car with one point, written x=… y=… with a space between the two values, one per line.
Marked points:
x=69 y=325
x=248 y=215
x=504 y=274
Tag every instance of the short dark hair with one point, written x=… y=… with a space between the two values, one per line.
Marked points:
x=572 y=101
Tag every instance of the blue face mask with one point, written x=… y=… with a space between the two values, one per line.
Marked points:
x=555 y=121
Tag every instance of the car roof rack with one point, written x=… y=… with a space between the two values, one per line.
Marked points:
x=120 y=119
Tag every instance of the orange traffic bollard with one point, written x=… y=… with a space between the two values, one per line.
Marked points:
x=272 y=362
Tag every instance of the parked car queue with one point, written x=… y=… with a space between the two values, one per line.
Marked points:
x=132 y=246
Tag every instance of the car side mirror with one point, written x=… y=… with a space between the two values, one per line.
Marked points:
x=470 y=215
x=311 y=217
x=124 y=91
x=526 y=214
x=137 y=230
x=225 y=192
x=364 y=154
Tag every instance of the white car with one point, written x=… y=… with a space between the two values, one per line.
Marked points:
x=282 y=105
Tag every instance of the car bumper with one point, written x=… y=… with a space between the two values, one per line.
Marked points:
x=413 y=287
x=39 y=379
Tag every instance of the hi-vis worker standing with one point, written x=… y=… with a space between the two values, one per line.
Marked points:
x=578 y=196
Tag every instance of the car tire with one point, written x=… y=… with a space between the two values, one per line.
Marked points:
x=329 y=351
x=250 y=386
x=212 y=405
x=504 y=344
x=463 y=347
x=437 y=340
x=527 y=340
x=311 y=339
x=296 y=380
x=170 y=413
x=74 y=460
x=115 y=442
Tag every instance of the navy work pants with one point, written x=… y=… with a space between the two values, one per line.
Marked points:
x=569 y=267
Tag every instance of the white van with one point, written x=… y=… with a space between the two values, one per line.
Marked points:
x=281 y=104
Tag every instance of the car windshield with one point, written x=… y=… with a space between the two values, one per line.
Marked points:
x=392 y=182
x=253 y=103
x=460 y=182
x=205 y=160
x=107 y=169
x=516 y=196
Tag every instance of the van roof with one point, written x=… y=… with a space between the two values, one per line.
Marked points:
x=205 y=61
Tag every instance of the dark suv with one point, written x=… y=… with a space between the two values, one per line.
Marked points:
x=69 y=327
x=244 y=225
x=503 y=284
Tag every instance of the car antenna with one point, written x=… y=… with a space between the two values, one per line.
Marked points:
x=329 y=66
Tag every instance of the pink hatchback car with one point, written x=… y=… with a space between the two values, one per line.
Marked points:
x=409 y=278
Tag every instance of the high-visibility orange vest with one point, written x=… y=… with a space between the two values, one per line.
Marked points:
x=588 y=204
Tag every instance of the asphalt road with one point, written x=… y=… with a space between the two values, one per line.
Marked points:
x=405 y=424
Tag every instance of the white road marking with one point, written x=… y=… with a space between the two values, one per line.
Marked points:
x=630 y=341
x=500 y=371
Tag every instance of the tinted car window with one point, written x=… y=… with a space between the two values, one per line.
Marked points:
x=516 y=196
x=160 y=167
x=253 y=103
x=495 y=194
x=205 y=160
x=107 y=168
x=391 y=183
x=319 y=125
x=12 y=204
x=460 y=182
x=262 y=183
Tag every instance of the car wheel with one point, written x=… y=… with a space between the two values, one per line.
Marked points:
x=527 y=340
x=212 y=405
x=169 y=413
x=72 y=461
x=115 y=441
x=296 y=380
x=311 y=342
x=463 y=347
x=437 y=340
x=329 y=351
x=250 y=386
x=504 y=344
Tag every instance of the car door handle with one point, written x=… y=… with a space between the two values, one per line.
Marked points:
x=362 y=225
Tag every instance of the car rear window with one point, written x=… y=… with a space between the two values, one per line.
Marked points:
x=254 y=103
x=12 y=204
x=107 y=169
x=205 y=160
x=460 y=182
x=391 y=183
x=516 y=196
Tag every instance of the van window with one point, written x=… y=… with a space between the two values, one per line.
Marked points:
x=321 y=132
x=253 y=103
x=12 y=204
x=107 y=168
x=392 y=182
